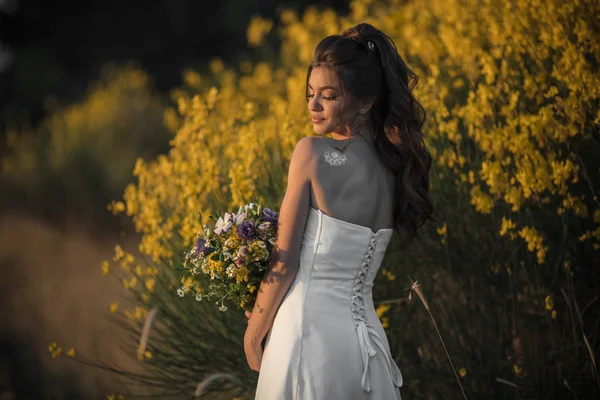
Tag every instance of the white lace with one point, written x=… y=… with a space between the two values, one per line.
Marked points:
x=367 y=335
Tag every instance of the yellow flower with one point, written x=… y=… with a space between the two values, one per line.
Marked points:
x=150 y=284
x=71 y=352
x=192 y=78
x=127 y=260
x=130 y=283
x=385 y=322
x=116 y=207
x=462 y=372
x=388 y=274
x=506 y=226
x=257 y=30
x=187 y=282
x=55 y=349
x=553 y=314
x=443 y=230
x=52 y=347
x=549 y=303
x=534 y=242
x=113 y=306
x=382 y=309
x=138 y=313
x=517 y=370
x=105 y=268
x=118 y=253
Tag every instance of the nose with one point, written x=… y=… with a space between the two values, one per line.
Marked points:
x=314 y=105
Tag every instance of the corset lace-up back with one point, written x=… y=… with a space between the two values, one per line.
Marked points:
x=327 y=342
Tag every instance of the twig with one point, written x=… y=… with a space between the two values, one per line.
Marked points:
x=146 y=332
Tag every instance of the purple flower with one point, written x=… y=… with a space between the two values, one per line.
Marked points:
x=269 y=215
x=246 y=230
x=201 y=247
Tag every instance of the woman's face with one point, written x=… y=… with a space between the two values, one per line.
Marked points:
x=330 y=109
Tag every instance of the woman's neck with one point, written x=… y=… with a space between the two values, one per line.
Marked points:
x=364 y=131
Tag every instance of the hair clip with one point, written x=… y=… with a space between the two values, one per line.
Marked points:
x=371 y=45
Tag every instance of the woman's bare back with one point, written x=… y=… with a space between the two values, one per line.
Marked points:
x=360 y=191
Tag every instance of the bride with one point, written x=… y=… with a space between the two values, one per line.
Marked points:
x=345 y=197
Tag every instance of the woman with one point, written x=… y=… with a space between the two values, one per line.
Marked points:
x=344 y=198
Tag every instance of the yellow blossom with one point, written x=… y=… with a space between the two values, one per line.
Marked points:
x=118 y=253
x=150 y=284
x=443 y=230
x=517 y=369
x=55 y=349
x=105 y=268
x=381 y=310
x=113 y=307
x=130 y=283
x=389 y=275
x=257 y=29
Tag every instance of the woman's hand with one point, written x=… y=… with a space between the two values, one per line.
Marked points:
x=253 y=348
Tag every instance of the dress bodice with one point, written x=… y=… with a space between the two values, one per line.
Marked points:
x=348 y=249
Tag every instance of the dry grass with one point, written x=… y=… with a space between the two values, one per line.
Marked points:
x=417 y=289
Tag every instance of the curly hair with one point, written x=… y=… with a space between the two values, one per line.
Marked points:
x=367 y=62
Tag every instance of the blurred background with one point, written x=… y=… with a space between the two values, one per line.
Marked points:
x=122 y=122
x=83 y=86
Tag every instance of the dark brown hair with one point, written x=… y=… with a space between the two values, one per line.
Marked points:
x=367 y=62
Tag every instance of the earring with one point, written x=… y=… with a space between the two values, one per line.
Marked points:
x=362 y=110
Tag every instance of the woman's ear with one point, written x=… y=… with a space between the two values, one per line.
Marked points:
x=366 y=106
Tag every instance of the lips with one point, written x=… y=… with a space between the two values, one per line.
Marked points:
x=317 y=120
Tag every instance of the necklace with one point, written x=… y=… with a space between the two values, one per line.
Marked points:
x=336 y=157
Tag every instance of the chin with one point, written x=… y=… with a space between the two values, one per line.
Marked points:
x=321 y=130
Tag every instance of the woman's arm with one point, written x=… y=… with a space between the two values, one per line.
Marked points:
x=285 y=257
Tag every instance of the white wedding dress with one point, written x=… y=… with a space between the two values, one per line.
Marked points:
x=326 y=342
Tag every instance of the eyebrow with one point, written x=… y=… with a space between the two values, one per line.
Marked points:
x=324 y=87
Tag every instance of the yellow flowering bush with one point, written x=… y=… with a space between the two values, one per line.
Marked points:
x=512 y=94
x=81 y=155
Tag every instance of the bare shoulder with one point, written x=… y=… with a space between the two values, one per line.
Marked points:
x=306 y=147
x=305 y=156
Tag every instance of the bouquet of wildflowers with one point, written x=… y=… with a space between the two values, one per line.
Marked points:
x=234 y=254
